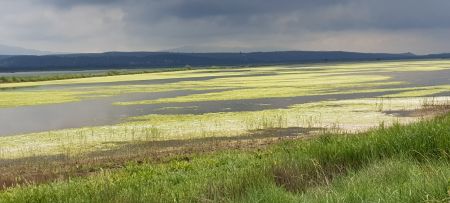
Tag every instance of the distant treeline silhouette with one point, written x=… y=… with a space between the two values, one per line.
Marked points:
x=116 y=60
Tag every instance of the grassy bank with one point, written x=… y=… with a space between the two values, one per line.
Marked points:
x=397 y=164
x=65 y=76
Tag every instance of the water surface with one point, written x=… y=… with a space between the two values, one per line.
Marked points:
x=101 y=111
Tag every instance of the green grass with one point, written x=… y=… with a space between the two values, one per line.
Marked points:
x=65 y=76
x=402 y=163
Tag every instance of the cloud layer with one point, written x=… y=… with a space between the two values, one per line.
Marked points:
x=102 y=25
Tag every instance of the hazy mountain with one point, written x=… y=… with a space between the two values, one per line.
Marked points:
x=12 y=50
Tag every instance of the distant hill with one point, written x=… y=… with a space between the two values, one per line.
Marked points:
x=114 y=60
x=3 y=57
x=12 y=50
x=214 y=48
x=443 y=56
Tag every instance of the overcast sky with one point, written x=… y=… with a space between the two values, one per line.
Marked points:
x=419 y=26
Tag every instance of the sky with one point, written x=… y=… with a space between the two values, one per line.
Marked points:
x=396 y=26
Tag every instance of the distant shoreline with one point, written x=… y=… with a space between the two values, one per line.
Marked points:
x=152 y=60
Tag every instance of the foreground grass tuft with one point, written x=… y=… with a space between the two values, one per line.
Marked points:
x=396 y=164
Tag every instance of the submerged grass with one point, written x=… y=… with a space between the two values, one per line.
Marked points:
x=347 y=115
x=402 y=163
x=245 y=83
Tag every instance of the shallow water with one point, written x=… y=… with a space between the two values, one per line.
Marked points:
x=89 y=112
x=96 y=112
x=32 y=73
x=134 y=82
x=101 y=111
x=423 y=78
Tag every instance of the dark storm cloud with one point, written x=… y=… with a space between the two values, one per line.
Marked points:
x=341 y=14
x=72 y=3
x=380 y=13
x=402 y=25
x=232 y=8
x=336 y=14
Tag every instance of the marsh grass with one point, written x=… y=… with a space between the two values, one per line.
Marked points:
x=393 y=163
x=242 y=83
x=75 y=142
x=334 y=116
x=129 y=143
x=434 y=103
x=401 y=163
x=65 y=76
